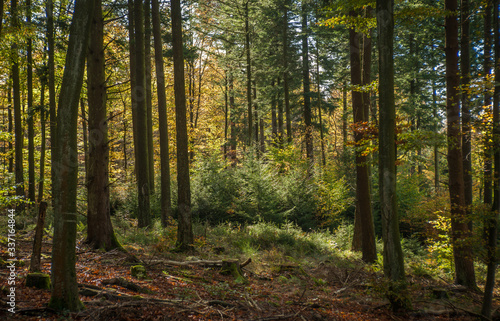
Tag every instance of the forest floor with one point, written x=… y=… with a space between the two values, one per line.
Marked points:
x=274 y=290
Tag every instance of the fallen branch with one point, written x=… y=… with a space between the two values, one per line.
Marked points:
x=127 y=285
x=204 y=263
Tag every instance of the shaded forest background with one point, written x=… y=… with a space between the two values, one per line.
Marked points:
x=261 y=113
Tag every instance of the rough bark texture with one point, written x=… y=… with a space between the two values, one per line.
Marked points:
x=149 y=100
x=185 y=230
x=364 y=237
x=166 y=202
x=52 y=90
x=393 y=255
x=492 y=221
x=64 y=283
x=464 y=265
x=42 y=143
x=30 y=120
x=100 y=232
x=139 y=118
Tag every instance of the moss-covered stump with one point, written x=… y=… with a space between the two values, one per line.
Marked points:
x=138 y=272
x=38 y=280
x=232 y=267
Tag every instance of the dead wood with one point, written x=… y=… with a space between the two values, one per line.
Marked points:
x=127 y=285
x=204 y=263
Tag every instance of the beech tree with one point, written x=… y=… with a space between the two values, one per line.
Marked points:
x=64 y=284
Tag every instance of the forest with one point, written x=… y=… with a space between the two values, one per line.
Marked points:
x=249 y=159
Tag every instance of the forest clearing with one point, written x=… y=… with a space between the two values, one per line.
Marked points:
x=250 y=159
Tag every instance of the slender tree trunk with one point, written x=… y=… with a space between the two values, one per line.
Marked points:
x=232 y=111
x=52 y=90
x=488 y=155
x=149 y=102
x=249 y=74
x=288 y=115
x=464 y=265
x=306 y=89
x=139 y=117
x=11 y=126
x=321 y=133
x=466 y=114
x=166 y=203
x=492 y=222
x=18 y=125
x=344 y=114
x=64 y=282
x=184 y=230
x=31 y=114
x=85 y=139
x=43 y=143
x=436 y=148
x=100 y=232
x=226 y=114
x=364 y=237
x=393 y=254
x=274 y=119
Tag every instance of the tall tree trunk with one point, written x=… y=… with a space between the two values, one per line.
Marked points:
x=64 y=282
x=43 y=142
x=274 y=119
x=52 y=91
x=288 y=115
x=364 y=237
x=436 y=147
x=322 y=138
x=100 y=232
x=11 y=126
x=249 y=74
x=149 y=102
x=139 y=117
x=85 y=138
x=184 y=230
x=466 y=114
x=464 y=265
x=488 y=155
x=306 y=89
x=166 y=202
x=18 y=125
x=31 y=114
x=492 y=221
x=281 y=132
x=344 y=114
x=393 y=255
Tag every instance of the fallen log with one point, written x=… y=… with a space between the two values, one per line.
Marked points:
x=127 y=285
x=204 y=263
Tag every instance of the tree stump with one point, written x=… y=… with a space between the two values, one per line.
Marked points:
x=38 y=280
x=37 y=243
x=232 y=267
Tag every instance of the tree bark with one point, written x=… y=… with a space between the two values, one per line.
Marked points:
x=31 y=114
x=139 y=117
x=464 y=265
x=37 y=242
x=18 y=125
x=52 y=90
x=306 y=90
x=149 y=102
x=43 y=142
x=491 y=226
x=393 y=254
x=285 y=73
x=100 y=232
x=64 y=283
x=365 y=236
x=166 y=203
x=184 y=230
x=249 y=74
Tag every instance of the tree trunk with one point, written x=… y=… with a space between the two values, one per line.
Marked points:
x=274 y=119
x=492 y=221
x=37 y=242
x=249 y=75
x=139 y=117
x=52 y=91
x=281 y=132
x=464 y=265
x=100 y=232
x=320 y=116
x=166 y=202
x=488 y=155
x=184 y=230
x=344 y=114
x=149 y=103
x=306 y=90
x=11 y=126
x=285 y=73
x=364 y=217
x=43 y=142
x=466 y=114
x=393 y=255
x=64 y=282
x=31 y=114
x=232 y=111
x=18 y=125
